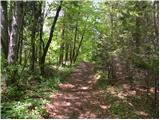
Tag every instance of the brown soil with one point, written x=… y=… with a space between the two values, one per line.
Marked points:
x=78 y=98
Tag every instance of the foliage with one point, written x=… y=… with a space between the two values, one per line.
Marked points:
x=46 y=39
x=27 y=101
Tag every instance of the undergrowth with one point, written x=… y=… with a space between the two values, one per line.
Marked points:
x=125 y=106
x=27 y=99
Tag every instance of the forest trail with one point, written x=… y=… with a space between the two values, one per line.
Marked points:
x=78 y=98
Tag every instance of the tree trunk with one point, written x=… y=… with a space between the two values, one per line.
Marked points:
x=156 y=24
x=33 y=37
x=21 y=44
x=61 y=49
x=4 y=28
x=15 y=30
x=21 y=49
x=74 y=44
x=20 y=35
x=10 y=14
x=42 y=61
x=66 y=52
x=41 y=43
x=77 y=52
x=71 y=59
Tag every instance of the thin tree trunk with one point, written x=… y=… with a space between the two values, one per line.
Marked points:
x=35 y=17
x=70 y=46
x=41 y=45
x=20 y=31
x=156 y=24
x=21 y=48
x=77 y=52
x=74 y=44
x=50 y=39
x=10 y=14
x=21 y=41
x=61 y=49
x=66 y=53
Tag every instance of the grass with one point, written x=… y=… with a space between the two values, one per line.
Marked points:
x=133 y=107
x=119 y=108
x=27 y=100
x=123 y=105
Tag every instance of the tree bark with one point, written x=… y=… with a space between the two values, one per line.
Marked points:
x=41 y=43
x=20 y=33
x=33 y=36
x=4 y=28
x=15 y=30
x=156 y=24
x=14 y=36
x=21 y=44
x=10 y=14
x=42 y=61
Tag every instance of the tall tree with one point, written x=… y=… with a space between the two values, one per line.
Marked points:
x=33 y=33
x=62 y=48
x=41 y=21
x=42 y=61
x=13 y=41
x=82 y=37
x=15 y=30
x=4 y=28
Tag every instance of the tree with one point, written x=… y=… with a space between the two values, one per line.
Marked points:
x=33 y=33
x=15 y=30
x=80 y=43
x=42 y=61
x=61 y=55
x=4 y=28
x=14 y=39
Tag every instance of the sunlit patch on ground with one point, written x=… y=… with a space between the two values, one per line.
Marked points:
x=78 y=98
x=67 y=85
x=126 y=102
x=141 y=113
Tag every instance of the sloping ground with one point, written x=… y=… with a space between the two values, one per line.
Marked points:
x=78 y=97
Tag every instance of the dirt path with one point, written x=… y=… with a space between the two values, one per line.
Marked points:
x=78 y=97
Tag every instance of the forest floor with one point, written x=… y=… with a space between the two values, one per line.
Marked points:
x=80 y=98
x=78 y=92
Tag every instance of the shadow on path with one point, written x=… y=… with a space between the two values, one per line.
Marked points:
x=78 y=98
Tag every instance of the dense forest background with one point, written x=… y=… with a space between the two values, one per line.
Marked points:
x=42 y=42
